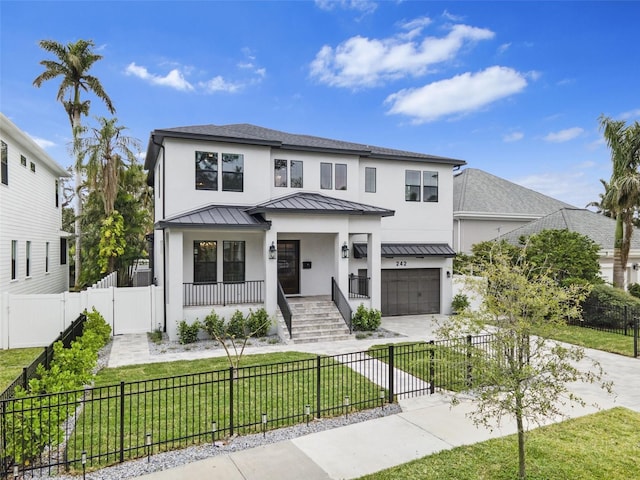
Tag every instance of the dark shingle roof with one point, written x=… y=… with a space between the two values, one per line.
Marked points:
x=252 y=134
x=599 y=228
x=305 y=202
x=407 y=250
x=220 y=216
x=479 y=192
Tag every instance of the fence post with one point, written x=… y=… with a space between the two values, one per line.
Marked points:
x=625 y=320
x=318 y=385
x=121 y=422
x=432 y=367
x=469 y=367
x=25 y=378
x=231 y=401
x=391 y=370
x=636 y=327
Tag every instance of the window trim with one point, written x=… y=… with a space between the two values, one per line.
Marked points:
x=4 y=163
x=27 y=256
x=295 y=179
x=211 y=184
x=339 y=170
x=23 y=160
x=240 y=174
x=370 y=179
x=211 y=274
x=33 y=166
x=425 y=197
x=410 y=188
x=329 y=175
x=226 y=274
x=57 y=183
x=64 y=251
x=282 y=171
x=14 y=259
x=46 y=257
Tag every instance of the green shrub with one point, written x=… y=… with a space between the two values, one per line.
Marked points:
x=366 y=319
x=214 y=325
x=96 y=323
x=608 y=295
x=459 y=302
x=188 y=333
x=258 y=322
x=236 y=328
x=634 y=289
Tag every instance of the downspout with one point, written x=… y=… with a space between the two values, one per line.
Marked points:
x=164 y=243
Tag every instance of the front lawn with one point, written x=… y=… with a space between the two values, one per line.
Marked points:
x=590 y=338
x=602 y=446
x=13 y=361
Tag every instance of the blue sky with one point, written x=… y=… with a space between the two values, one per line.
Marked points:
x=513 y=88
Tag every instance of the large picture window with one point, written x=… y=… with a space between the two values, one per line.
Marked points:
x=370 y=179
x=280 y=173
x=430 y=186
x=341 y=176
x=232 y=172
x=206 y=171
x=325 y=176
x=233 y=261
x=412 y=185
x=205 y=254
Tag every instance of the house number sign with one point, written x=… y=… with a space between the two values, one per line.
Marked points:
x=401 y=263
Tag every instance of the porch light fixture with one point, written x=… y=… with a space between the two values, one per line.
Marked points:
x=448 y=274
x=16 y=471
x=345 y=250
x=84 y=464
x=214 y=428
x=148 y=445
x=264 y=425
x=272 y=251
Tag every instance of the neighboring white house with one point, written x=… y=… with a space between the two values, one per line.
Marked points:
x=33 y=248
x=241 y=209
x=486 y=206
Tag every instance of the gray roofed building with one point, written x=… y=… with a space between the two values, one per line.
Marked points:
x=220 y=216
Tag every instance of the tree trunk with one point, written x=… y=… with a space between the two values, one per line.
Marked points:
x=522 y=472
x=78 y=184
x=618 y=267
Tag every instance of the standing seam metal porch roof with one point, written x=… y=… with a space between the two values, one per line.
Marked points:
x=305 y=202
x=407 y=250
x=221 y=216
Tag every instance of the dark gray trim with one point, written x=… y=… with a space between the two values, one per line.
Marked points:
x=316 y=203
x=407 y=250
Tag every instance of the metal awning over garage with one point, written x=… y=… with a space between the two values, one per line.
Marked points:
x=407 y=250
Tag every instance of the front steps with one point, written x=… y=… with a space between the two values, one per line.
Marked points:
x=315 y=319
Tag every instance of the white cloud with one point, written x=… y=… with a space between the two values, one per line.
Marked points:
x=451 y=17
x=572 y=186
x=413 y=27
x=174 y=79
x=564 y=135
x=630 y=114
x=364 y=6
x=503 y=48
x=458 y=95
x=219 y=84
x=366 y=62
x=513 y=137
x=42 y=143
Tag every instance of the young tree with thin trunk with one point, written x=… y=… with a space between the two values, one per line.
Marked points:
x=72 y=66
x=525 y=376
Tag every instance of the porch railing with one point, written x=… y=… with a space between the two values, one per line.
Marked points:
x=342 y=303
x=284 y=308
x=223 y=293
x=358 y=286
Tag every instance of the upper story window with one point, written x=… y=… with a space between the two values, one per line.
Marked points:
x=63 y=251
x=23 y=160
x=232 y=172
x=206 y=171
x=341 y=176
x=33 y=167
x=370 y=179
x=326 y=174
x=281 y=173
x=412 y=185
x=430 y=186
x=14 y=259
x=4 y=170
x=57 y=193
x=233 y=261
x=205 y=266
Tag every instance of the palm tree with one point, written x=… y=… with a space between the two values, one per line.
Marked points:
x=74 y=61
x=601 y=207
x=106 y=151
x=623 y=194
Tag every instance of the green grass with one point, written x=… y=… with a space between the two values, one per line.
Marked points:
x=590 y=338
x=13 y=361
x=602 y=446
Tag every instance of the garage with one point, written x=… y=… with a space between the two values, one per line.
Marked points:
x=411 y=291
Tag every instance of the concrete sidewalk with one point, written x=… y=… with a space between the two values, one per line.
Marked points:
x=427 y=424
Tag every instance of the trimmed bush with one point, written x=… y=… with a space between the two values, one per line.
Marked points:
x=188 y=333
x=634 y=289
x=258 y=323
x=214 y=325
x=236 y=327
x=366 y=319
x=459 y=302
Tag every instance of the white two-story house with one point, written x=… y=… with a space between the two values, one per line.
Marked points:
x=247 y=216
x=33 y=248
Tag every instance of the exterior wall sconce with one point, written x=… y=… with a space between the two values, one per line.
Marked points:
x=448 y=274
x=345 y=250
x=635 y=266
x=272 y=251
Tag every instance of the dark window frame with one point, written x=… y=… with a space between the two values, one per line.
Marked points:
x=4 y=167
x=340 y=171
x=206 y=166
x=411 y=188
x=27 y=256
x=326 y=176
x=205 y=262
x=280 y=173
x=370 y=179
x=297 y=179
x=63 y=251
x=234 y=269
x=57 y=183
x=14 y=259
x=430 y=186
x=33 y=167
x=23 y=160
x=46 y=257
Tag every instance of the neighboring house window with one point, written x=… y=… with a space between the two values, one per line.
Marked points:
x=46 y=257
x=23 y=160
x=28 y=258
x=296 y=174
x=325 y=175
x=63 y=251
x=57 y=193
x=232 y=172
x=206 y=171
x=370 y=179
x=280 y=173
x=341 y=176
x=233 y=261
x=412 y=185
x=14 y=259
x=4 y=172
x=33 y=167
x=205 y=254
x=430 y=186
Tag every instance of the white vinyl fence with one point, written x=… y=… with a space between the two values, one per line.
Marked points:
x=35 y=320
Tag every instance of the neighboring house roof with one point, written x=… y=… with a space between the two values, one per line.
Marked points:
x=599 y=228
x=217 y=216
x=477 y=193
x=26 y=142
x=255 y=135
x=407 y=250
x=304 y=202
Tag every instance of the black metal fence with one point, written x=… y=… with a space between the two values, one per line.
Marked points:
x=341 y=303
x=115 y=423
x=223 y=293
x=73 y=331
x=621 y=320
x=359 y=286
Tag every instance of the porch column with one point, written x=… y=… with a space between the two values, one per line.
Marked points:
x=374 y=268
x=270 y=273
x=342 y=264
x=175 y=278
